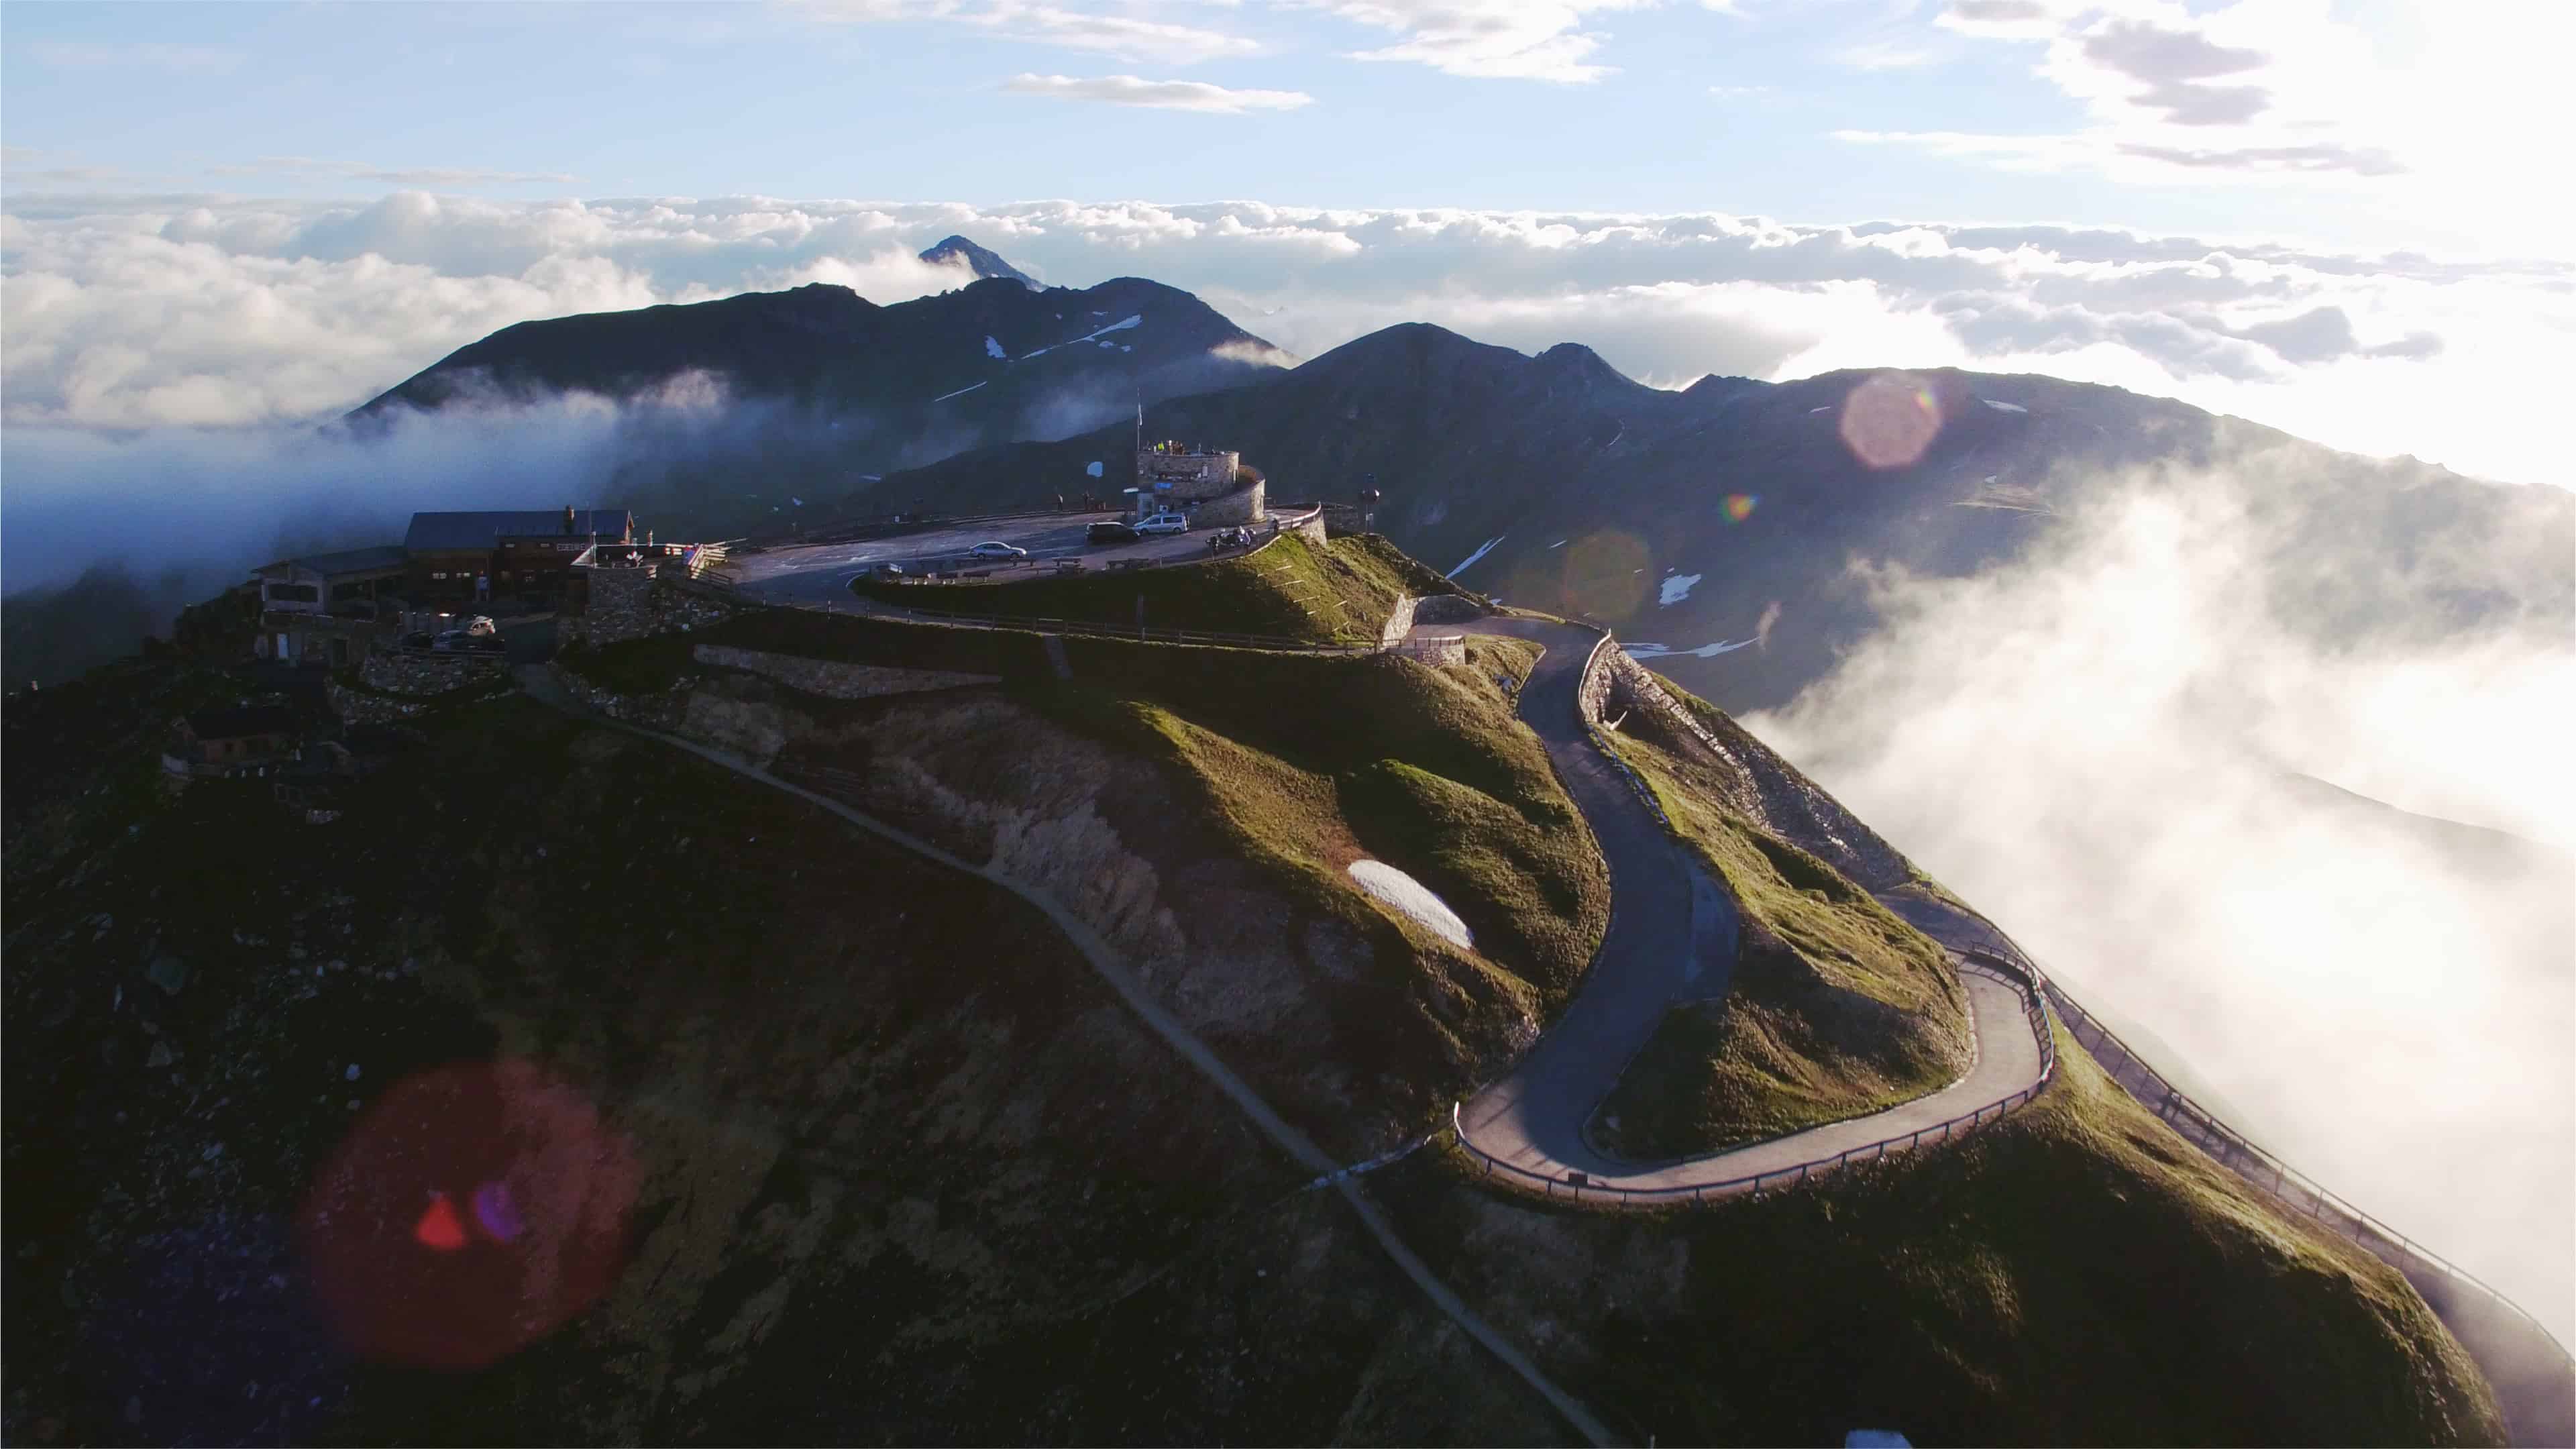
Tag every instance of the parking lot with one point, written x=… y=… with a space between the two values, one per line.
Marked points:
x=818 y=572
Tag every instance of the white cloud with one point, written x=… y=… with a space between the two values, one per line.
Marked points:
x=1169 y=95
x=134 y=311
x=446 y=176
x=1130 y=37
x=1506 y=39
x=2421 y=105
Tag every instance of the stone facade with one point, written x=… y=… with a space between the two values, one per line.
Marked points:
x=836 y=681
x=1231 y=510
x=634 y=603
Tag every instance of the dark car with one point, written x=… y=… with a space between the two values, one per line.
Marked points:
x=1111 y=531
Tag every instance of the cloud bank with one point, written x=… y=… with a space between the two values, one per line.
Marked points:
x=148 y=311
x=2114 y=748
x=1167 y=95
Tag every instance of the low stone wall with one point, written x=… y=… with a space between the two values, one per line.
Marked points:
x=836 y=681
x=1399 y=621
x=1304 y=519
x=428 y=674
x=1618 y=684
x=635 y=603
x=1435 y=649
x=1594 y=691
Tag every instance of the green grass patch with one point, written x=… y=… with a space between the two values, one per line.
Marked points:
x=1312 y=762
x=1342 y=593
x=1837 y=1008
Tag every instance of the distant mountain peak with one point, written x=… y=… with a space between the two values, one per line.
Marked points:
x=981 y=261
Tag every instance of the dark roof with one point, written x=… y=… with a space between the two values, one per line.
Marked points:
x=232 y=724
x=478 y=530
x=351 y=561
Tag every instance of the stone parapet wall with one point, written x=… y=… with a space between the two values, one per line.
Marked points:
x=1619 y=684
x=1306 y=521
x=1437 y=649
x=836 y=681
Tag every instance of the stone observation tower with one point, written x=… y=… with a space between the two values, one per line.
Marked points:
x=1214 y=488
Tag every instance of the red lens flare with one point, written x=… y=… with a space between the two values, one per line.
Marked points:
x=1890 y=420
x=439 y=1229
x=1739 y=506
x=473 y=1210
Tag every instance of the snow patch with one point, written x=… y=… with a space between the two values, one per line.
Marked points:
x=1677 y=588
x=1093 y=470
x=1829 y=407
x=1092 y=336
x=1479 y=553
x=799 y=502
x=1560 y=543
x=2003 y=407
x=1408 y=897
x=961 y=392
x=993 y=349
x=1705 y=651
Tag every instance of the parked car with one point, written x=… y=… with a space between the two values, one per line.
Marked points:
x=995 y=548
x=1111 y=531
x=1165 y=523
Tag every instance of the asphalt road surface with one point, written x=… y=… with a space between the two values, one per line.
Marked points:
x=1673 y=937
x=816 y=573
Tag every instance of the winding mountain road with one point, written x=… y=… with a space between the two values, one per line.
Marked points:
x=1672 y=937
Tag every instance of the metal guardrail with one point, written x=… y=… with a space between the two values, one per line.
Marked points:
x=2034 y=1010
x=2250 y=1160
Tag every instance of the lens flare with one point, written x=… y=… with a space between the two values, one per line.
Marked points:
x=1890 y=420
x=1739 y=506
x=438 y=1229
x=548 y=1184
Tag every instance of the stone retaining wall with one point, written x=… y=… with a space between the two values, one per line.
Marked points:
x=635 y=603
x=836 y=681
x=355 y=706
x=1399 y=621
x=428 y=674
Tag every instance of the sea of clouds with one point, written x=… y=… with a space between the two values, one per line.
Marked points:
x=2113 y=747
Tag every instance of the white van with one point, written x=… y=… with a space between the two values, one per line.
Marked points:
x=1164 y=523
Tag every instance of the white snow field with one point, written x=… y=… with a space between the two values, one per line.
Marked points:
x=1403 y=894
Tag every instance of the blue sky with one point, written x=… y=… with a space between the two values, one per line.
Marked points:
x=2320 y=214
x=1492 y=104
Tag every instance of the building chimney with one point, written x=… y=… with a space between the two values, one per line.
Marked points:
x=567 y=518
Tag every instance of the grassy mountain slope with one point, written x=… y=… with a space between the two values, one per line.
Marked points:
x=2075 y=1274
x=910 y=1172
